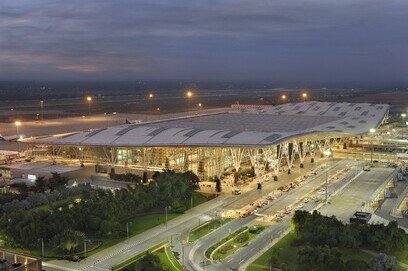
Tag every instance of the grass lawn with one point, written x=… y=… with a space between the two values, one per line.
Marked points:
x=59 y=203
x=168 y=259
x=232 y=243
x=128 y=264
x=198 y=199
x=166 y=256
x=204 y=229
x=145 y=222
x=401 y=255
x=286 y=251
x=137 y=225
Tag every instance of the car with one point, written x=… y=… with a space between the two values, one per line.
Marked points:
x=271 y=197
x=306 y=200
x=367 y=168
x=254 y=211
x=236 y=191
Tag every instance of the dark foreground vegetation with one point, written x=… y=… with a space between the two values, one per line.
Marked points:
x=322 y=239
x=98 y=213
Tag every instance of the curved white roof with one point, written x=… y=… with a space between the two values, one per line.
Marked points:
x=247 y=127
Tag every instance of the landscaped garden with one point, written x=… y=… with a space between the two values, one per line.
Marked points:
x=159 y=257
x=284 y=254
x=322 y=243
x=101 y=217
x=205 y=228
x=233 y=242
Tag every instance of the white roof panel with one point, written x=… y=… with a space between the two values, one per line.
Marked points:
x=252 y=126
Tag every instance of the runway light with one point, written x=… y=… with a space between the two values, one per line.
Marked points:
x=372 y=130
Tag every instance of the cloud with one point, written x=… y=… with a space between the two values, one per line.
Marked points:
x=180 y=39
x=80 y=68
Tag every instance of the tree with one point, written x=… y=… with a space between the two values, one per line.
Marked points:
x=40 y=185
x=57 y=181
x=22 y=188
x=149 y=262
x=144 y=177
x=69 y=240
x=356 y=265
x=383 y=262
x=218 y=187
x=320 y=258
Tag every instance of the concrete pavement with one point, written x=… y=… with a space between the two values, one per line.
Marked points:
x=196 y=255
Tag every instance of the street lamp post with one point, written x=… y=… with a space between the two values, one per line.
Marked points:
x=372 y=131
x=189 y=95
x=183 y=253
x=85 y=247
x=284 y=98
x=328 y=153
x=18 y=124
x=89 y=100
x=42 y=248
x=327 y=179
x=304 y=96
x=166 y=215
x=150 y=98
x=42 y=110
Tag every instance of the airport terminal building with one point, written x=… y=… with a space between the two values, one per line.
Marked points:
x=263 y=137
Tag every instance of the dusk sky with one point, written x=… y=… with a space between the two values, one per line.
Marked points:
x=317 y=41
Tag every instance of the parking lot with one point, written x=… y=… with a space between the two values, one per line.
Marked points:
x=354 y=196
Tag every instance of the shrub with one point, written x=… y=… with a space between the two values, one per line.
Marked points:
x=128 y=177
x=256 y=229
x=224 y=249
x=242 y=238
